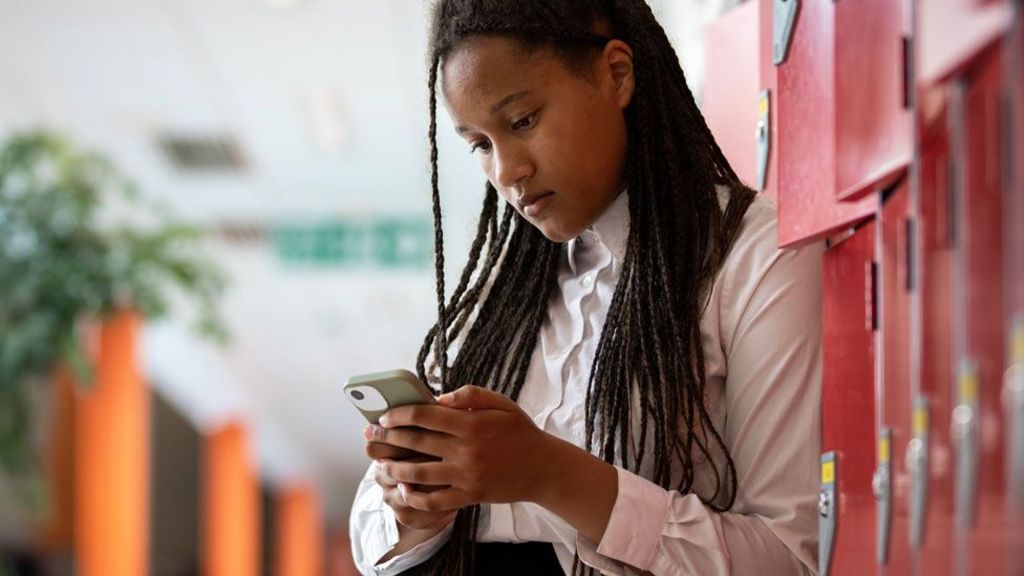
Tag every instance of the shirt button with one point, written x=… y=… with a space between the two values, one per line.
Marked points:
x=587 y=281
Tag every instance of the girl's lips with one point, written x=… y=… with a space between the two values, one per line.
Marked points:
x=534 y=204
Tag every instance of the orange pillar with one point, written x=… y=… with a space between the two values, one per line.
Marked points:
x=112 y=459
x=231 y=505
x=299 y=533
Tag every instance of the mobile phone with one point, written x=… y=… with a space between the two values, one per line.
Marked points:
x=374 y=394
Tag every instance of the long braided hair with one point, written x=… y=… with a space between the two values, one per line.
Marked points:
x=649 y=353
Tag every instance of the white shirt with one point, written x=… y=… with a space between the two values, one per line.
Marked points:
x=761 y=340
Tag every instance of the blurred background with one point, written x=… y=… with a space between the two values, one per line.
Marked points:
x=264 y=162
x=213 y=213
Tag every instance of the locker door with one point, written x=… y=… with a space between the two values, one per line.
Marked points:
x=801 y=147
x=729 y=101
x=892 y=479
x=873 y=119
x=1013 y=379
x=847 y=506
x=930 y=455
x=951 y=33
x=977 y=418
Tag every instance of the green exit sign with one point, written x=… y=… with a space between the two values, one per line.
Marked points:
x=387 y=242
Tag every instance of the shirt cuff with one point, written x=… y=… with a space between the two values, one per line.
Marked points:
x=638 y=518
x=414 y=556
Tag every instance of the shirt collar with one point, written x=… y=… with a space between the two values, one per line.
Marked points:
x=611 y=229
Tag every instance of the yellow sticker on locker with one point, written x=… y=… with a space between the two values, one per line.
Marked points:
x=762 y=106
x=828 y=472
x=920 y=419
x=883 y=449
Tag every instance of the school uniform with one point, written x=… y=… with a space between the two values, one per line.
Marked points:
x=760 y=334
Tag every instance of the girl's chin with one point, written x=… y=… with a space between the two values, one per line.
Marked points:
x=556 y=231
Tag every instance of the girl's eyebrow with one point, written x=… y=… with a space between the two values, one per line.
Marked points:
x=499 y=105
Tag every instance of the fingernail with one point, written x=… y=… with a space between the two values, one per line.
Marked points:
x=384 y=420
x=403 y=489
x=368 y=432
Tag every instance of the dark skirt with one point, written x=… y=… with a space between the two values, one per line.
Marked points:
x=503 y=559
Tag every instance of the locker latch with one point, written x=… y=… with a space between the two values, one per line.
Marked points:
x=964 y=431
x=784 y=17
x=881 y=486
x=827 y=512
x=917 y=467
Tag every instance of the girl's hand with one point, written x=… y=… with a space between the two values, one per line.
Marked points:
x=490 y=451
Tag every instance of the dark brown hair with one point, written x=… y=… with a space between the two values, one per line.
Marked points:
x=649 y=353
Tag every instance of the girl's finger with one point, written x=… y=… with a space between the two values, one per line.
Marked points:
x=423 y=441
x=430 y=417
x=428 y=473
x=381 y=478
x=439 y=501
x=381 y=451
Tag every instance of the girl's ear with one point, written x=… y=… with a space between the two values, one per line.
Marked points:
x=619 y=58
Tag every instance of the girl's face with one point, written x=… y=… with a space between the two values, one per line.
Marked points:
x=551 y=141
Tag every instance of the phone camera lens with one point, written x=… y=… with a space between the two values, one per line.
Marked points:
x=357 y=395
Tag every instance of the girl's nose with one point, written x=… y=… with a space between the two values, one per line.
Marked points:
x=511 y=167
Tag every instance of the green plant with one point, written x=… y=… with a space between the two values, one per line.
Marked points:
x=65 y=258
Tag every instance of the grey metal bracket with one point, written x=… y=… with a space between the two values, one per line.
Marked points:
x=964 y=432
x=784 y=20
x=917 y=467
x=881 y=486
x=764 y=137
x=827 y=512
x=1013 y=403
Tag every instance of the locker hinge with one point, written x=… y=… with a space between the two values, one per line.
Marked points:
x=871 y=296
x=911 y=253
x=908 y=76
x=784 y=17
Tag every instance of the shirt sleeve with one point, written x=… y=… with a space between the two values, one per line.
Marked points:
x=771 y=331
x=373 y=529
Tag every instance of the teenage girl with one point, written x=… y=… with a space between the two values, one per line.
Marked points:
x=636 y=377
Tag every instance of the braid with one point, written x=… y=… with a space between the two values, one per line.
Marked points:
x=649 y=364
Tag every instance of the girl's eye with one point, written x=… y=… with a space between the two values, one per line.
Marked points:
x=482 y=145
x=524 y=123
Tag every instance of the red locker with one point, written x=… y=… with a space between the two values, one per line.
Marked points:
x=847 y=506
x=930 y=454
x=977 y=419
x=896 y=236
x=872 y=112
x=801 y=165
x=1013 y=231
x=729 y=100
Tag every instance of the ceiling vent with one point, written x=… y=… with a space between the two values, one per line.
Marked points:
x=203 y=153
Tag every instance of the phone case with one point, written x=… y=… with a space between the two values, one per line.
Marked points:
x=398 y=387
